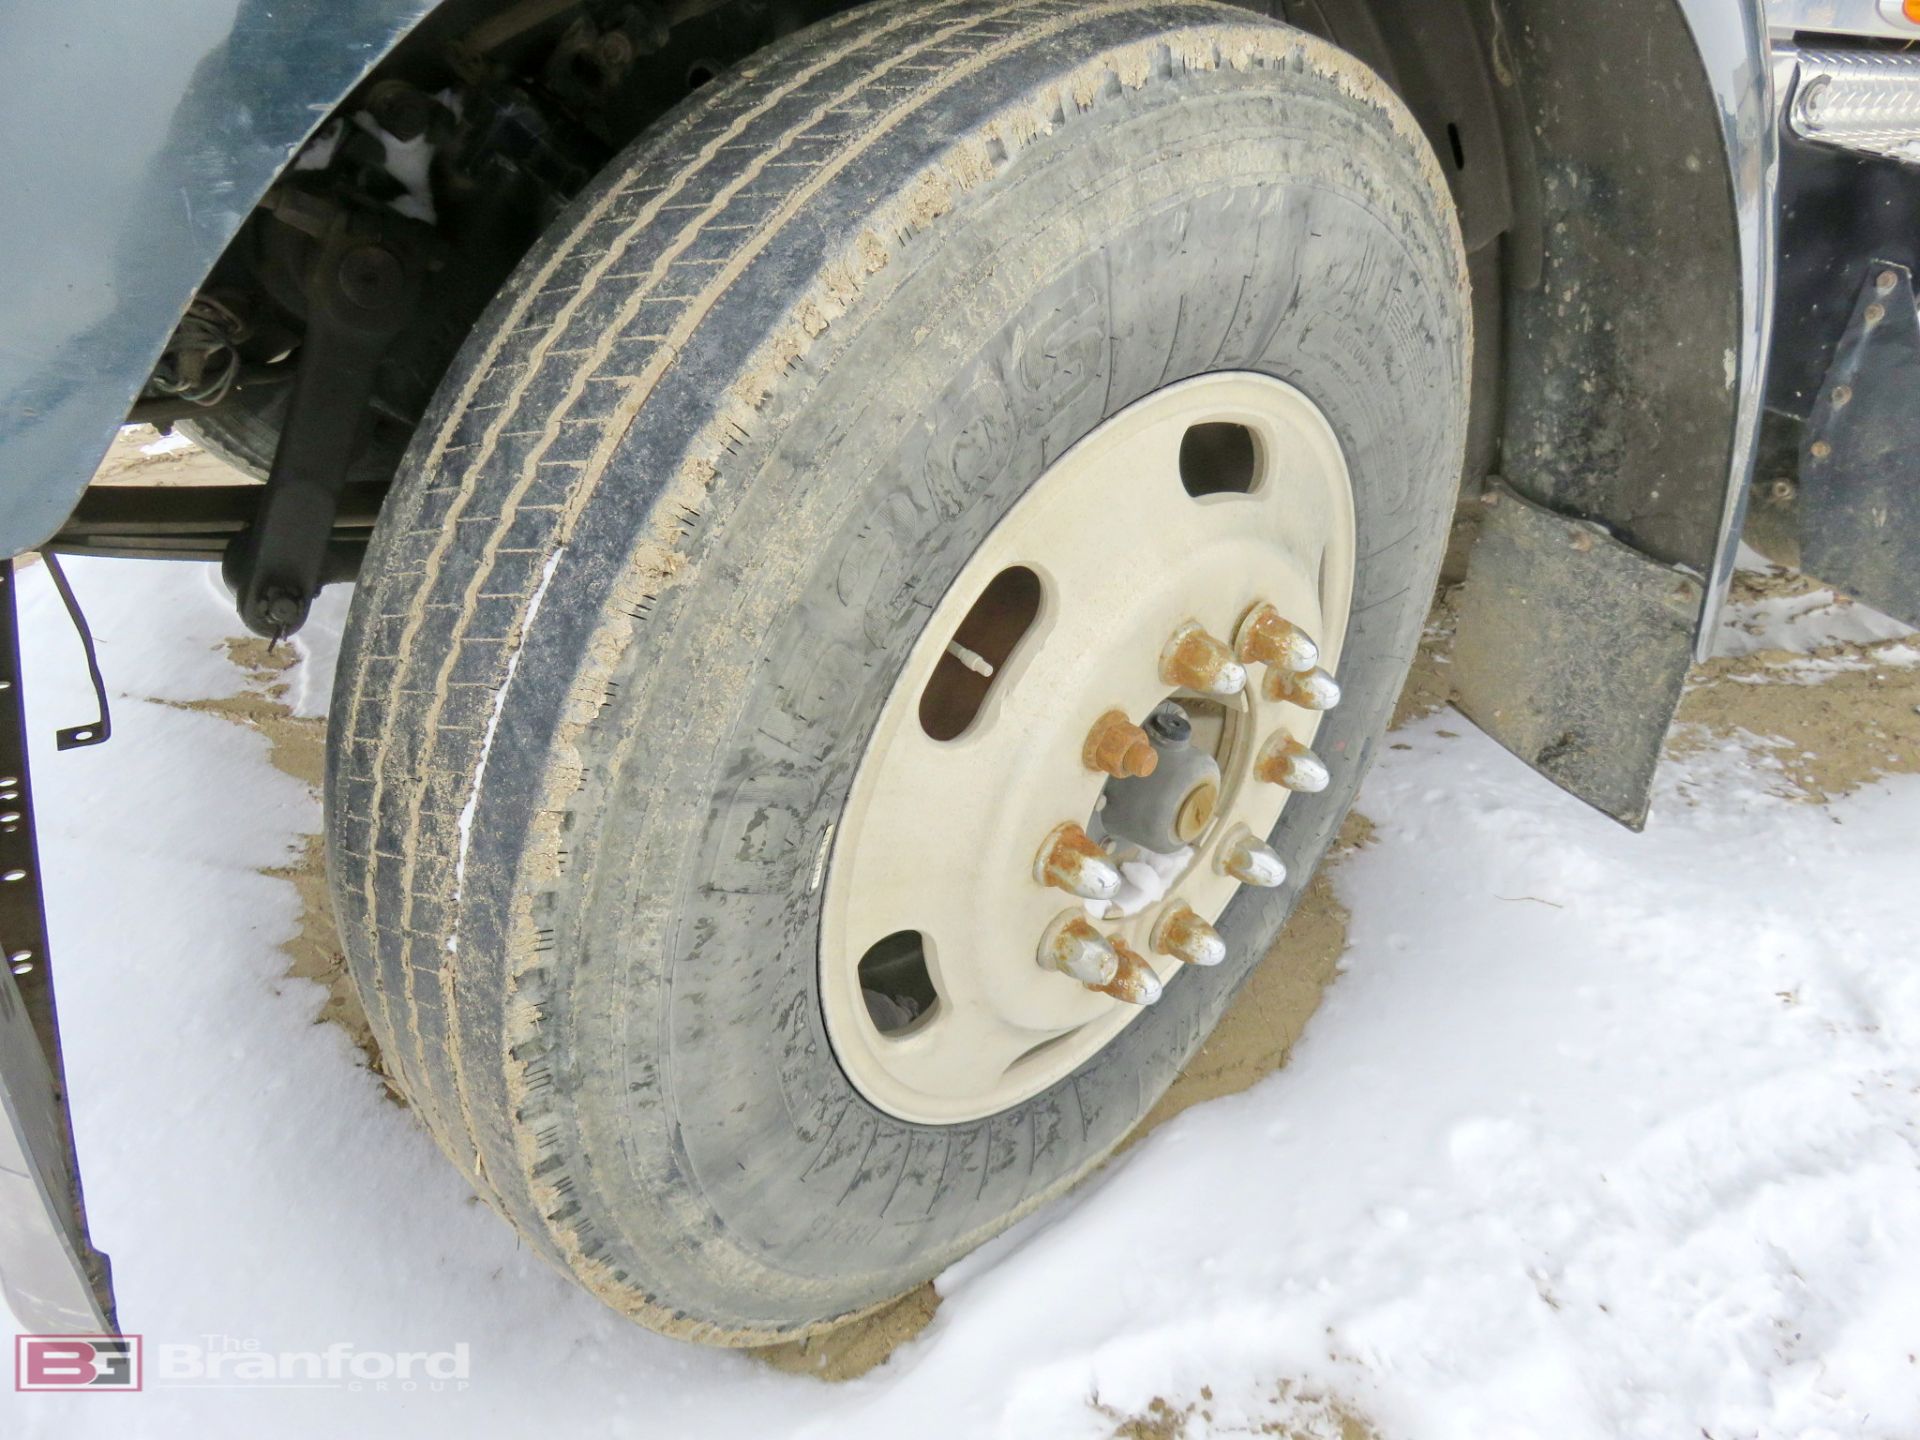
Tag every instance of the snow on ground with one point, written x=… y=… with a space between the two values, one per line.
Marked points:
x=1776 y=609
x=1596 y=1135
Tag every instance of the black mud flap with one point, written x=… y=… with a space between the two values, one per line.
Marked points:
x=1860 y=459
x=1572 y=650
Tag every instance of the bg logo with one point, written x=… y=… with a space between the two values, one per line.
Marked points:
x=76 y=1362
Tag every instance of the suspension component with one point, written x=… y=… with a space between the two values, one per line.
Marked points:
x=361 y=287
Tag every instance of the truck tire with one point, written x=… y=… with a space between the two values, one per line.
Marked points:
x=672 y=564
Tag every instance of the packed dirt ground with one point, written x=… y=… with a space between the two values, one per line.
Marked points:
x=1826 y=722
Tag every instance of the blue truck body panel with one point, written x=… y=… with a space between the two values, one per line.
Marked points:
x=115 y=212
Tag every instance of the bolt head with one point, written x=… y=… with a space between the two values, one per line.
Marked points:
x=1118 y=747
x=371 y=277
x=279 y=611
x=613 y=50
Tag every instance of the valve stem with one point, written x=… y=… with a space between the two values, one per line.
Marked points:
x=972 y=659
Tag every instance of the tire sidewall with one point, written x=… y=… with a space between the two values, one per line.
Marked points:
x=700 y=1073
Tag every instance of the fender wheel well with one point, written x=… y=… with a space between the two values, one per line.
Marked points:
x=1594 y=204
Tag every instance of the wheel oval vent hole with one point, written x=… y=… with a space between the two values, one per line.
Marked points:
x=977 y=652
x=1219 y=458
x=895 y=982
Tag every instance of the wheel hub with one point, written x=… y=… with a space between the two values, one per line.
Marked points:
x=1136 y=657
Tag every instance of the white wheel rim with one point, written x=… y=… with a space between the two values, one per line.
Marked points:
x=941 y=837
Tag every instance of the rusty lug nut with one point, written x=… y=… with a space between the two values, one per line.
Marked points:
x=1135 y=982
x=1181 y=933
x=1283 y=760
x=1071 y=861
x=1315 y=690
x=1119 y=747
x=1197 y=661
x=1250 y=860
x=1266 y=637
x=1073 y=947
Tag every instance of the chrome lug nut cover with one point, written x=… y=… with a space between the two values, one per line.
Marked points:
x=1181 y=933
x=1284 y=761
x=1310 y=690
x=1250 y=860
x=1070 y=860
x=1266 y=637
x=1195 y=660
x=1135 y=983
x=1073 y=947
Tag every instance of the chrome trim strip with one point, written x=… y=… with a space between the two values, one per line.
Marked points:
x=1732 y=40
x=1867 y=100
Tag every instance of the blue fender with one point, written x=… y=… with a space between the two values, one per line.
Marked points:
x=139 y=137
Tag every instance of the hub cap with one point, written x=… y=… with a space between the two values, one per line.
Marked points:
x=1194 y=549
